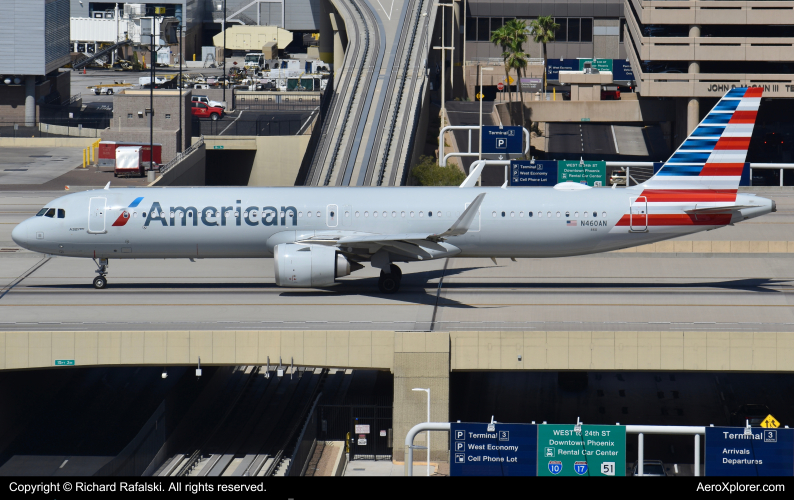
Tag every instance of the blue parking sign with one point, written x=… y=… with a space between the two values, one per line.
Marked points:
x=508 y=140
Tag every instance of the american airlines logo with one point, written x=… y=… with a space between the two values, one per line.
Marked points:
x=221 y=216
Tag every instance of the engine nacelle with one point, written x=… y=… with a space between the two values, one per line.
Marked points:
x=309 y=265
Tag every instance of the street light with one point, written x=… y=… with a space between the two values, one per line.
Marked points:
x=428 y=420
x=481 y=96
x=443 y=48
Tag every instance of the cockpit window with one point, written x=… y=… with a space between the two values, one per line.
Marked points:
x=61 y=213
x=50 y=213
x=42 y=212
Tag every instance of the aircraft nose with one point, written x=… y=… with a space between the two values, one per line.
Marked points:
x=20 y=234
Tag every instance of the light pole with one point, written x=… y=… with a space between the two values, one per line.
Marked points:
x=428 y=420
x=443 y=48
x=481 y=96
x=181 y=134
x=223 y=56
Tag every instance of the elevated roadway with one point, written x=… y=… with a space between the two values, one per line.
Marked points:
x=368 y=132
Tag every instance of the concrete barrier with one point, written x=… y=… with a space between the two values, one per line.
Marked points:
x=191 y=171
x=46 y=142
x=594 y=111
x=70 y=131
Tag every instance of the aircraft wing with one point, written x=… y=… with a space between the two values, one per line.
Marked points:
x=415 y=245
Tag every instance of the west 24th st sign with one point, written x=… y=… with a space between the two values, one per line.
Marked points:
x=586 y=450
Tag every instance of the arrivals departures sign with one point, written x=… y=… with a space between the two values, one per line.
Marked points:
x=507 y=450
x=596 y=450
x=761 y=452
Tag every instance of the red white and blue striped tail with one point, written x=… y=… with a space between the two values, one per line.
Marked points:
x=707 y=167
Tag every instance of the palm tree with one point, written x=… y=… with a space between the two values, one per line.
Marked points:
x=543 y=30
x=503 y=38
x=517 y=60
x=511 y=38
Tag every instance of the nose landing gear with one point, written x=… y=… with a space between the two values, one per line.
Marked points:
x=101 y=281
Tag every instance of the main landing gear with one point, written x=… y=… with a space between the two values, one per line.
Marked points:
x=101 y=281
x=390 y=282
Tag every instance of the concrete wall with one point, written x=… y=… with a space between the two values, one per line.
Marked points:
x=12 y=97
x=46 y=142
x=650 y=110
x=278 y=158
x=191 y=171
x=697 y=351
x=417 y=359
x=129 y=125
x=421 y=359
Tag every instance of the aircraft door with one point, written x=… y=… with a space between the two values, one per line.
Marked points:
x=332 y=216
x=347 y=215
x=96 y=215
x=638 y=214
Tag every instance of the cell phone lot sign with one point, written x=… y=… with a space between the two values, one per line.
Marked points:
x=592 y=450
x=505 y=450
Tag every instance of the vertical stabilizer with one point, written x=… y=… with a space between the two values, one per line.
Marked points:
x=708 y=165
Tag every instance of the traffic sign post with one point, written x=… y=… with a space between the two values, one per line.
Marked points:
x=533 y=173
x=502 y=140
x=507 y=450
x=590 y=450
x=741 y=451
x=592 y=173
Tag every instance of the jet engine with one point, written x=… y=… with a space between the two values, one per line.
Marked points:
x=310 y=265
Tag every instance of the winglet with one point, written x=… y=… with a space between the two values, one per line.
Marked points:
x=474 y=174
x=461 y=226
x=107 y=186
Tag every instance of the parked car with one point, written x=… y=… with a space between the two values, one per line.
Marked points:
x=650 y=468
x=201 y=110
x=754 y=413
x=618 y=177
x=208 y=101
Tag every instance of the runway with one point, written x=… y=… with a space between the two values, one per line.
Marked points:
x=642 y=291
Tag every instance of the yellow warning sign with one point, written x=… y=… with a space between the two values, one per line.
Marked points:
x=770 y=422
x=511 y=80
x=480 y=96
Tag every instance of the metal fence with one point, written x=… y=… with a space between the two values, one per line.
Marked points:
x=272 y=125
x=267 y=101
x=51 y=128
x=374 y=423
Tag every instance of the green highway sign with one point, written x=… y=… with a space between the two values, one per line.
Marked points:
x=599 y=64
x=585 y=119
x=596 y=450
x=217 y=147
x=64 y=362
x=592 y=173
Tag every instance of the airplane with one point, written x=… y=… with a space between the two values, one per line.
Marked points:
x=317 y=235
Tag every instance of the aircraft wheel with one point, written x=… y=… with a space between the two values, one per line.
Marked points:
x=396 y=271
x=100 y=282
x=388 y=284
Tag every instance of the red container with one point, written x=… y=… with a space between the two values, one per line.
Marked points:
x=106 y=153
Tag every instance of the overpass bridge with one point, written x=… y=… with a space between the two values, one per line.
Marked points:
x=367 y=137
x=416 y=359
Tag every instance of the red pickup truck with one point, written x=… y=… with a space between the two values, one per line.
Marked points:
x=202 y=110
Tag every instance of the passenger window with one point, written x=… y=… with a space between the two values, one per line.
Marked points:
x=421 y=214
x=50 y=213
x=402 y=213
x=512 y=214
x=585 y=214
x=357 y=213
x=567 y=214
x=604 y=215
x=366 y=214
x=318 y=213
x=374 y=214
x=385 y=214
x=308 y=214
x=493 y=214
x=439 y=213
x=595 y=214
x=429 y=213
x=503 y=214
x=42 y=212
x=529 y=214
x=548 y=214
x=300 y=214
x=521 y=214
x=412 y=214
x=576 y=214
